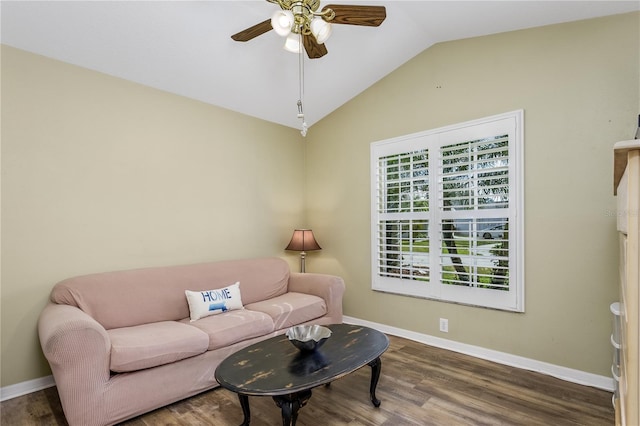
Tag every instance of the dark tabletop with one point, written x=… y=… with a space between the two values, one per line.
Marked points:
x=276 y=367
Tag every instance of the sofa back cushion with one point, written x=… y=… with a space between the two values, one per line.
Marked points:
x=142 y=296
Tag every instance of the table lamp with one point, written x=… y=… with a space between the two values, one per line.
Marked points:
x=303 y=241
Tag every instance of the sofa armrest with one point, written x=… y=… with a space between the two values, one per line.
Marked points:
x=78 y=349
x=329 y=287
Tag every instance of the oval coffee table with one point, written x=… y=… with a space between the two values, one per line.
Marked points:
x=276 y=368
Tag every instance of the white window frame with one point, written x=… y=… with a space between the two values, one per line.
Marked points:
x=512 y=299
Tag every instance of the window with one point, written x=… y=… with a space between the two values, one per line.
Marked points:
x=447 y=213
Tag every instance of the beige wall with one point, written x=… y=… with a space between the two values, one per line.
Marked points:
x=578 y=84
x=101 y=174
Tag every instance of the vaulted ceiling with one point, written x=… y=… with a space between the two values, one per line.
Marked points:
x=184 y=47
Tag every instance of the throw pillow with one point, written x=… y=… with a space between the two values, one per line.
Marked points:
x=212 y=302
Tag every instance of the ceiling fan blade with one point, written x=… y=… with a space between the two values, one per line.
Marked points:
x=370 y=16
x=253 y=32
x=314 y=49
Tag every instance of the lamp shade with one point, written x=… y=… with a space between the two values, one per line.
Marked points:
x=303 y=240
x=292 y=43
x=282 y=21
x=320 y=29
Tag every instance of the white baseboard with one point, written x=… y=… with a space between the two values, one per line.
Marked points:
x=23 y=388
x=564 y=373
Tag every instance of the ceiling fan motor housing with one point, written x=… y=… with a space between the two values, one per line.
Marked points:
x=304 y=12
x=301 y=17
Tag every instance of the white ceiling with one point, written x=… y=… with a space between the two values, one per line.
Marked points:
x=184 y=47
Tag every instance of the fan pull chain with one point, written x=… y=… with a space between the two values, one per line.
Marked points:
x=301 y=88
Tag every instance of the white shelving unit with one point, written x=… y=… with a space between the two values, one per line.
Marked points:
x=627 y=188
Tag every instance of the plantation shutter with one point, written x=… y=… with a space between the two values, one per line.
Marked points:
x=473 y=196
x=402 y=210
x=446 y=213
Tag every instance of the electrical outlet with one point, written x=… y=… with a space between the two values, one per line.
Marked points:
x=444 y=325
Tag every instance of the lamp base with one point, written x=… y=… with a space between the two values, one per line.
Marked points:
x=302 y=257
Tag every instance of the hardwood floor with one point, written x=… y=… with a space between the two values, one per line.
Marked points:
x=419 y=385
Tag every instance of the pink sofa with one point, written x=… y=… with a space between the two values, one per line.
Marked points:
x=121 y=343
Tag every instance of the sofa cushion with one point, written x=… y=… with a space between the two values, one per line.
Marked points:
x=232 y=327
x=260 y=279
x=291 y=309
x=150 y=345
x=213 y=302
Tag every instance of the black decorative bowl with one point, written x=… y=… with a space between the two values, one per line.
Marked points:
x=308 y=338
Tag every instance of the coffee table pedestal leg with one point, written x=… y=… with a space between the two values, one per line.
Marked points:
x=244 y=403
x=376 y=367
x=290 y=404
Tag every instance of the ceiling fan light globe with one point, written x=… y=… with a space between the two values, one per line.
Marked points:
x=292 y=43
x=320 y=29
x=282 y=21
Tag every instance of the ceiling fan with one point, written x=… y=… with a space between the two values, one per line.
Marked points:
x=301 y=19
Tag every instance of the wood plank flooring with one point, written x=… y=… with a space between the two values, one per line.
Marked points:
x=419 y=385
